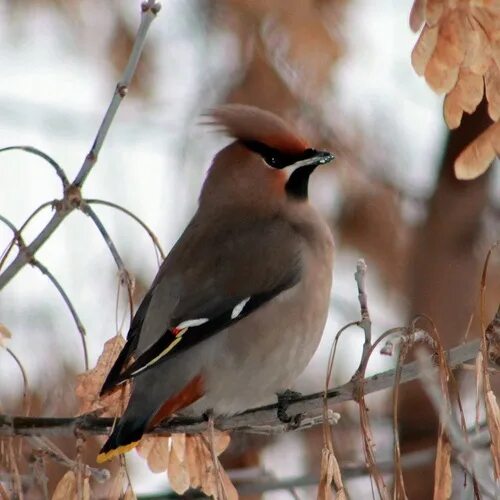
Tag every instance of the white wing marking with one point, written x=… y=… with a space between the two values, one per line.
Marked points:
x=190 y=323
x=238 y=308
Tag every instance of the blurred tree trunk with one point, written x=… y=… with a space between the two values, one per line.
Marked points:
x=443 y=281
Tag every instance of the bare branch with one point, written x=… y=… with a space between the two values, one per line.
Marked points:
x=17 y=236
x=149 y=10
x=125 y=277
x=365 y=323
x=25 y=379
x=471 y=459
x=79 y=325
x=72 y=197
x=146 y=228
x=47 y=448
x=35 y=263
x=310 y=406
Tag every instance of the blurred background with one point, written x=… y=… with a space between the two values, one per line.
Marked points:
x=340 y=71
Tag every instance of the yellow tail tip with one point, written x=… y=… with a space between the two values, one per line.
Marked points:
x=109 y=455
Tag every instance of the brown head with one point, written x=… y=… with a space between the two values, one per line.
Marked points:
x=253 y=169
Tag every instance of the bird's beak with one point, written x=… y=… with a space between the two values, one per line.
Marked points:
x=315 y=159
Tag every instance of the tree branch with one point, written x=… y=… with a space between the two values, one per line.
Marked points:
x=258 y=420
x=72 y=196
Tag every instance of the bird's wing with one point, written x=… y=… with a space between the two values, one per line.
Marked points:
x=210 y=279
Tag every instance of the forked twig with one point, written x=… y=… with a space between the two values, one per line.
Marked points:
x=36 y=263
x=149 y=10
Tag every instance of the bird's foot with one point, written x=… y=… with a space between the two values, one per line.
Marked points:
x=284 y=400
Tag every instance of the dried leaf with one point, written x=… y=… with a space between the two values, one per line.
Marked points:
x=434 y=9
x=492 y=88
x=5 y=335
x=478 y=51
x=129 y=494
x=442 y=469
x=417 y=15
x=179 y=445
x=3 y=493
x=89 y=383
x=66 y=488
x=85 y=494
x=330 y=473
x=475 y=159
x=230 y=492
x=493 y=413
x=424 y=48
x=465 y=96
x=178 y=475
x=156 y=452
x=441 y=72
x=195 y=461
x=452 y=110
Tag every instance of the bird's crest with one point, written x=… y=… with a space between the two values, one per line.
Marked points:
x=254 y=125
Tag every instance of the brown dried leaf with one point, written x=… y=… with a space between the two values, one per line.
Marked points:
x=451 y=42
x=89 y=383
x=465 y=96
x=452 y=110
x=330 y=473
x=85 y=494
x=478 y=51
x=475 y=159
x=442 y=469
x=492 y=86
x=230 y=492
x=221 y=440
x=178 y=474
x=493 y=413
x=179 y=445
x=129 y=494
x=3 y=493
x=5 y=335
x=434 y=9
x=66 y=488
x=441 y=72
x=424 y=48
x=417 y=15
x=440 y=77
x=156 y=452
x=195 y=461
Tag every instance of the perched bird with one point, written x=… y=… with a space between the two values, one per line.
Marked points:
x=238 y=307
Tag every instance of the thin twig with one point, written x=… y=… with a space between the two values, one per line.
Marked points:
x=467 y=456
x=49 y=449
x=30 y=149
x=125 y=277
x=149 y=10
x=26 y=406
x=79 y=325
x=18 y=236
x=146 y=228
x=365 y=323
x=251 y=421
x=36 y=263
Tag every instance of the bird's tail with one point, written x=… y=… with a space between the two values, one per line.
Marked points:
x=124 y=437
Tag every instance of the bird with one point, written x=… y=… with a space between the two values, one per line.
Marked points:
x=238 y=306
